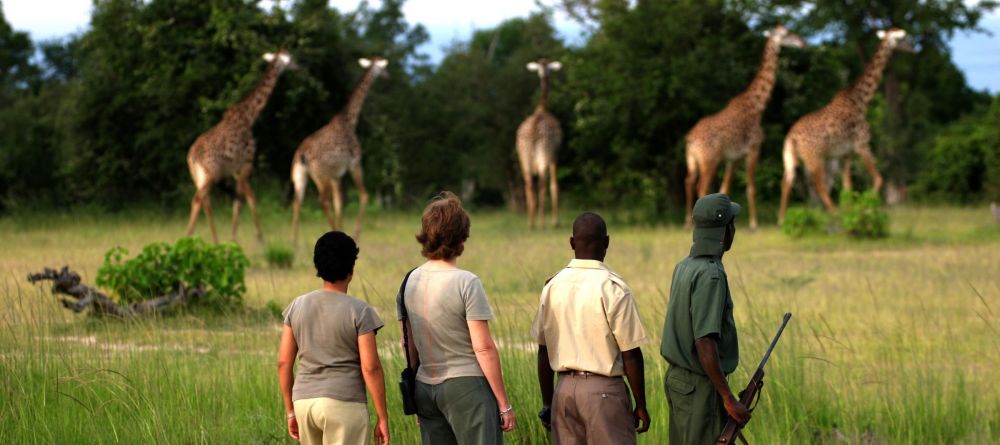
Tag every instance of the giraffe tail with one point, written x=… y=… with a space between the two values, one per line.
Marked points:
x=300 y=171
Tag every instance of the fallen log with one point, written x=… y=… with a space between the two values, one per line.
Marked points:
x=67 y=282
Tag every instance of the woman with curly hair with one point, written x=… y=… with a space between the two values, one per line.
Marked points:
x=460 y=395
x=333 y=335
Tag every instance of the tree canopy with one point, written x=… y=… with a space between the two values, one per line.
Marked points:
x=106 y=117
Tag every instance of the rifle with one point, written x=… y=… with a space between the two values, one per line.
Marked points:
x=751 y=395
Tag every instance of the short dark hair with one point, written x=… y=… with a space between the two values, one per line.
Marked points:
x=444 y=227
x=334 y=256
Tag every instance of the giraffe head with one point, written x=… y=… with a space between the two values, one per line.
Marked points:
x=784 y=37
x=283 y=59
x=543 y=66
x=376 y=64
x=895 y=38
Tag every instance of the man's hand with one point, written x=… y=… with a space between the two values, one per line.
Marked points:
x=293 y=427
x=545 y=415
x=382 y=432
x=641 y=420
x=736 y=410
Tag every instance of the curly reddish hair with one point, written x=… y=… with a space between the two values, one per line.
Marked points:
x=444 y=227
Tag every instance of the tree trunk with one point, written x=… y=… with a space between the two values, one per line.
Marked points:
x=67 y=282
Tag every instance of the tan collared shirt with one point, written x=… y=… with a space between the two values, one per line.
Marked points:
x=586 y=317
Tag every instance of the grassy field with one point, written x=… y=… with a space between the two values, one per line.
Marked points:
x=894 y=341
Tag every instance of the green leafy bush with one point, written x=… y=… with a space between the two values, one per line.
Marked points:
x=862 y=215
x=161 y=268
x=801 y=221
x=279 y=256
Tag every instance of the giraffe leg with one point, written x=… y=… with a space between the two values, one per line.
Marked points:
x=788 y=158
x=846 y=174
x=752 y=157
x=689 y=181
x=541 y=184
x=300 y=181
x=324 y=202
x=359 y=182
x=727 y=177
x=243 y=186
x=201 y=201
x=818 y=175
x=237 y=206
x=708 y=167
x=554 y=190
x=529 y=199
x=338 y=204
x=869 y=159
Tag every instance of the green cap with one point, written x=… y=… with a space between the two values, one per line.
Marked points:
x=711 y=215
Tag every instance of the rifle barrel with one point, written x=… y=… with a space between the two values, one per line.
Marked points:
x=774 y=342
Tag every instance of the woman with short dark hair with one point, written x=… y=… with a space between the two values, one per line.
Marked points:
x=460 y=392
x=333 y=335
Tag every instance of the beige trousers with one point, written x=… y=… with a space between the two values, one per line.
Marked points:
x=592 y=410
x=326 y=421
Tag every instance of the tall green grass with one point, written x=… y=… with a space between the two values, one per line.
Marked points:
x=894 y=340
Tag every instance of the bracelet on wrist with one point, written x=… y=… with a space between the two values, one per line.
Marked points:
x=289 y=416
x=505 y=411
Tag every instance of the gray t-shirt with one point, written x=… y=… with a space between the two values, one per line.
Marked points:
x=440 y=303
x=326 y=326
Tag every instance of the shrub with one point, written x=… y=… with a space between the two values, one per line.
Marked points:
x=801 y=221
x=862 y=216
x=161 y=268
x=279 y=256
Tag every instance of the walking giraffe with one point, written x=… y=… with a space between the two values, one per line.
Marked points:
x=538 y=138
x=333 y=150
x=838 y=129
x=227 y=149
x=735 y=132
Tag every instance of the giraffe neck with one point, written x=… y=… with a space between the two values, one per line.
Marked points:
x=246 y=111
x=759 y=90
x=352 y=111
x=543 y=101
x=864 y=88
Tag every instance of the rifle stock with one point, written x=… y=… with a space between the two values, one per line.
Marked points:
x=751 y=393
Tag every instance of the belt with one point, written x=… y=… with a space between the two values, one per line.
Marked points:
x=573 y=372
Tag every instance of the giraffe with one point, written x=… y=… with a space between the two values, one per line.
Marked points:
x=735 y=132
x=227 y=149
x=838 y=129
x=333 y=150
x=538 y=138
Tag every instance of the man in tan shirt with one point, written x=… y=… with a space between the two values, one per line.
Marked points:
x=588 y=331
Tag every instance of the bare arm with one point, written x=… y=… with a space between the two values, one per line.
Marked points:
x=371 y=370
x=489 y=361
x=287 y=350
x=708 y=356
x=545 y=377
x=635 y=371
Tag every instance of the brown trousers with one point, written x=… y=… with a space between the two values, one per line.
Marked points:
x=592 y=410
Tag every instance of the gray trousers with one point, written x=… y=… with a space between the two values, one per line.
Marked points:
x=592 y=410
x=460 y=410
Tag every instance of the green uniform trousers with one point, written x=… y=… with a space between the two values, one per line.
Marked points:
x=460 y=410
x=697 y=414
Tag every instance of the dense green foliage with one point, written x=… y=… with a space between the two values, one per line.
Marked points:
x=963 y=161
x=279 y=256
x=802 y=221
x=862 y=215
x=106 y=116
x=160 y=268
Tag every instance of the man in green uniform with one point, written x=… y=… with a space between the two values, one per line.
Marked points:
x=699 y=334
